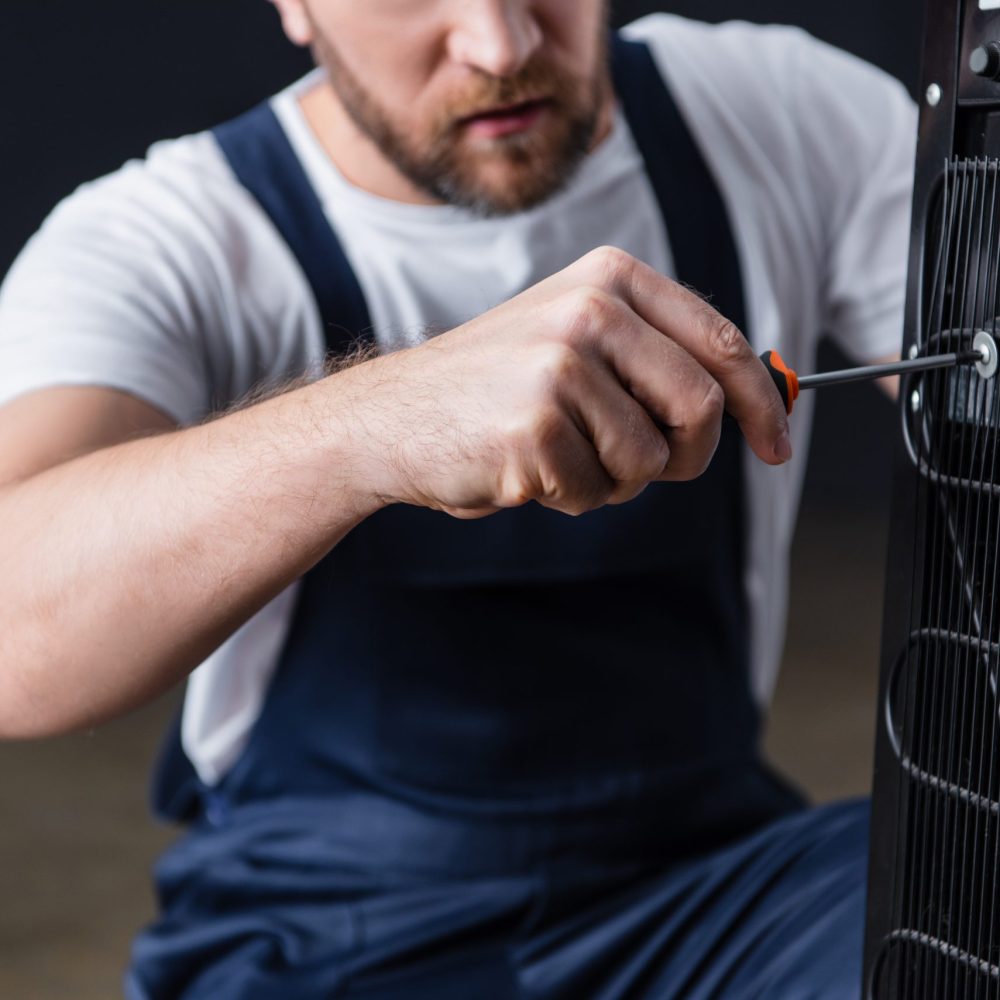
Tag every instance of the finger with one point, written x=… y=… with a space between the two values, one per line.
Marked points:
x=570 y=476
x=676 y=392
x=717 y=345
x=683 y=398
x=630 y=447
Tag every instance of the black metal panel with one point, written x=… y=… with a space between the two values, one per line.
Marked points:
x=980 y=27
x=935 y=144
x=933 y=927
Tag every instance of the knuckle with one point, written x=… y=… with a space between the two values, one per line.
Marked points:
x=534 y=430
x=710 y=409
x=702 y=458
x=625 y=492
x=611 y=266
x=649 y=455
x=587 y=308
x=514 y=489
x=590 y=498
x=572 y=484
x=558 y=364
x=701 y=429
x=545 y=429
x=723 y=338
x=655 y=460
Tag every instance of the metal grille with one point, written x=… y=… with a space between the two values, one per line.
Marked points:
x=941 y=709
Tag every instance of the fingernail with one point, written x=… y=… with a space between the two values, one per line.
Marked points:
x=783 y=449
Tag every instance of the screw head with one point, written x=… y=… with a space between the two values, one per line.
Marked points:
x=915 y=401
x=986 y=345
x=934 y=95
x=913 y=352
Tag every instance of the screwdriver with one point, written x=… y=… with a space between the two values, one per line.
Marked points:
x=983 y=355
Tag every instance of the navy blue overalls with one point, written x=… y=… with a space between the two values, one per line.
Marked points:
x=514 y=757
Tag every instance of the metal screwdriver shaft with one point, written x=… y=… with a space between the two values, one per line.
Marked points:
x=867 y=372
x=983 y=355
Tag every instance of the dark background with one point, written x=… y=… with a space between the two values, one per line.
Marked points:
x=86 y=86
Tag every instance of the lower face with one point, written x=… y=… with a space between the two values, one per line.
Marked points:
x=493 y=144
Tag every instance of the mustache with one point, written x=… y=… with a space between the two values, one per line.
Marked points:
x=538 y=79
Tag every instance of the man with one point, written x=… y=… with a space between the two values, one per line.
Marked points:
x=444 y=740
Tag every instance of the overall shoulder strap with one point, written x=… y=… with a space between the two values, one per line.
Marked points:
x=264 y=162
x=704 y=249
x=693 y=210
x=261 y=156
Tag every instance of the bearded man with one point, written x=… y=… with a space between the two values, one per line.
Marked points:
x=299 y=407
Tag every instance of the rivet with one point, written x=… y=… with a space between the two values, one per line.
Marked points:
x=934 y=95
x=915 y=401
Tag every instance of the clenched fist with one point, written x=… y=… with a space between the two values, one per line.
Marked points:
x=578 y=392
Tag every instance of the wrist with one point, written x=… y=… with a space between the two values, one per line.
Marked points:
x=348 y=444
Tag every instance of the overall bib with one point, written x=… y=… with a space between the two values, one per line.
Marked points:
x=487 y=742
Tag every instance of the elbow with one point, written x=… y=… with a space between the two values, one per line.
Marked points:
x=22 y=727
x=27 y=713
x=18 y=724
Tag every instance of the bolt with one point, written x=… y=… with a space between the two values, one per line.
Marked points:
x=934 y=95
x=915 y=401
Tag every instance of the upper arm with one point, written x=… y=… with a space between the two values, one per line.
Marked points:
x=134 y=288
x=162 y=283
x=47 y=427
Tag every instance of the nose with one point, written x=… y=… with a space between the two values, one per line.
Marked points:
x=496 y=37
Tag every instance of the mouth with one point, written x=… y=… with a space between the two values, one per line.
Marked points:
x=498 y=122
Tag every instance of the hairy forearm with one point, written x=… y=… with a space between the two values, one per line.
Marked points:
x=122 y=570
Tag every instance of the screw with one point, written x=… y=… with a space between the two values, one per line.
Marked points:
x=934 y=95
x=914 y=351
x=915 y=401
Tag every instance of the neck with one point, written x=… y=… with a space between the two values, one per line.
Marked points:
x=361 y=161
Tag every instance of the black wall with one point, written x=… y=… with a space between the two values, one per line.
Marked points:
x=86 y=86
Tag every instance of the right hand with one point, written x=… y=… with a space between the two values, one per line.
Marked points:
x=578 y=392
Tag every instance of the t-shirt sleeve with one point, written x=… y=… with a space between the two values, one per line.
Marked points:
x=165 y=280
x=126 y=285
x=857 y=130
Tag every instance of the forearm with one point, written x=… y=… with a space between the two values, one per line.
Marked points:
x=122 y=570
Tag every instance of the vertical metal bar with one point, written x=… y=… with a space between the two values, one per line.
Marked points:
x=910 y=836
x=956 y=532
x=936 y=811
x=987 y=610
x=960 y=693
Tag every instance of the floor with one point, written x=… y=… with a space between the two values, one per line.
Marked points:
x=76 y=843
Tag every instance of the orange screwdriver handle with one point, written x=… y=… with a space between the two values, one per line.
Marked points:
x=785 y=379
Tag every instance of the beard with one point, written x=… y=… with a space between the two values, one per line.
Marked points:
x=495 y=176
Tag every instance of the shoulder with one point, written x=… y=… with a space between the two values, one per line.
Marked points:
x=736 y=57
x=775 y=82
x=171 y=281
x=771 y=93
x=812 y=148
x=181 y=201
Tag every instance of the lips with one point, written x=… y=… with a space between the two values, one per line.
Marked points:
x=497 y=122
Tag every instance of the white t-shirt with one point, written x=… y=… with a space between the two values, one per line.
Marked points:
x=166 y=280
